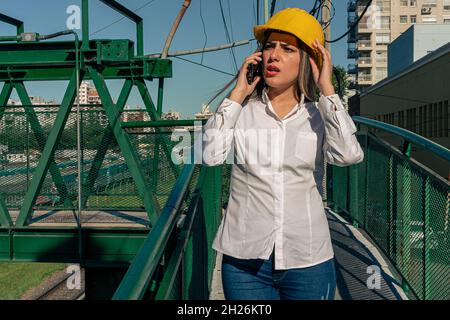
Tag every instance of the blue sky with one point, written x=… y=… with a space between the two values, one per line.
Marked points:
x=191 y=85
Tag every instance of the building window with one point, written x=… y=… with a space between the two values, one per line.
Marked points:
x=429 y=3
x=430 y=120
x=429 y=19
x=383 y=38
x=447 y=5
x=381 y=73
x=404 y=3
x=446 y=19
x=403 y=19
x=420 y=122
x=440 y=120
x=435 y=120
x=446 y=118
x=401 y=119
x=413 y=19
x=413 y=3
x=385 y=22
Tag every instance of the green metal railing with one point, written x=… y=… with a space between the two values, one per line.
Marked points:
x=403 y=205
x=176 y=260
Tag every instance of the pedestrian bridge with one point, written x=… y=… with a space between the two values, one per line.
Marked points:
x=96 y=185
x=388 y=215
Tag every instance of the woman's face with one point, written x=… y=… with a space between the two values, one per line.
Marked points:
x=281 y=63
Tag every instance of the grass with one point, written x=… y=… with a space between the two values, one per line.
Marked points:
x=17 y=277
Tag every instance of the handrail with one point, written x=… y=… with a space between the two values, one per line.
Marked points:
x=135 y=282
x=162 y=123
x=409 y=136
x=125 y=12
x=10 y=20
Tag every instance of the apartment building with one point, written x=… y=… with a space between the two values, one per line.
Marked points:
x=382 y=23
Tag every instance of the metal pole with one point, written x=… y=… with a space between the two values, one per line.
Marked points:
x=325 y=18
x=200 y=50
x=266 y=10
x=186 y=5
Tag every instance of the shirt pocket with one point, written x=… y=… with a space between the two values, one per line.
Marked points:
x=306 y=147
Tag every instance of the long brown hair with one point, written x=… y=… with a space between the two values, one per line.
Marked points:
x=305 y=83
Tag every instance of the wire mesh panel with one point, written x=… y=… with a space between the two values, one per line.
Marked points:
x=437 y=239
x=106 y=179
x=376 y=220
x=23 y=134
x=404 y=206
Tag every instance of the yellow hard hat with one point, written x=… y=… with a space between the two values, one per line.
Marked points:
x=297 y=22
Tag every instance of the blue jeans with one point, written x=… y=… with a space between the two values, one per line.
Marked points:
x=256 y=279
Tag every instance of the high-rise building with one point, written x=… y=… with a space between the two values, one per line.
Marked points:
x=171 y=115
x=205 y=113
x=88 y=94
x=382 y=23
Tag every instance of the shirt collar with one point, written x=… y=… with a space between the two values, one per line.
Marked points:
x=269 y=108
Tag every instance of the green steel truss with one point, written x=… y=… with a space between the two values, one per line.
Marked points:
x=100 y=60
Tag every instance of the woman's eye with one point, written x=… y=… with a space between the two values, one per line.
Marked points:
x=288 y=49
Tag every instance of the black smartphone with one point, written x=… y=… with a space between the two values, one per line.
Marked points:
x=254 y=69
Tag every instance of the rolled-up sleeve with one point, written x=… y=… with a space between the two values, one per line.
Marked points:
x=218 y=133
x=340 y=146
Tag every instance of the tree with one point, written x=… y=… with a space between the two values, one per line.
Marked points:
x=342 y=74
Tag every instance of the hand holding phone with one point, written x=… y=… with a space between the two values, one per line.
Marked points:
x=247 y=79
x=253 y=71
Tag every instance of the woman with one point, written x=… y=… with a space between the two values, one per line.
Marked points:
x=274 y=235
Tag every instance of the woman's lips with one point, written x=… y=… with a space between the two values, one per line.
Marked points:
x=272 y=71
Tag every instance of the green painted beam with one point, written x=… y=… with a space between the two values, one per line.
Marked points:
x=55 y=61
x=5 y=218
x=49 y=150
x=163 y=123
x=102 y=246
x=12 y=21
x=41 y=139
x=85 y=23
x=104 y=144
x=151 y=109
x=4 y=96
x=131 y=157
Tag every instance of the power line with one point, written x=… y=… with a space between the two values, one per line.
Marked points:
x=118 y=20
x=227 y=35
x=400 y=98
x=327 y=23
x=205 y=66
x=204 y=31
x=272 y=7
x=231 y=20
x=353 y=25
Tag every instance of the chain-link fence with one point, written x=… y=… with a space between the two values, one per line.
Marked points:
x=404 y=206
x=106 y=179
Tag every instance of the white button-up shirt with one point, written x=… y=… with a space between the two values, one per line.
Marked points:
x=276 y=179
